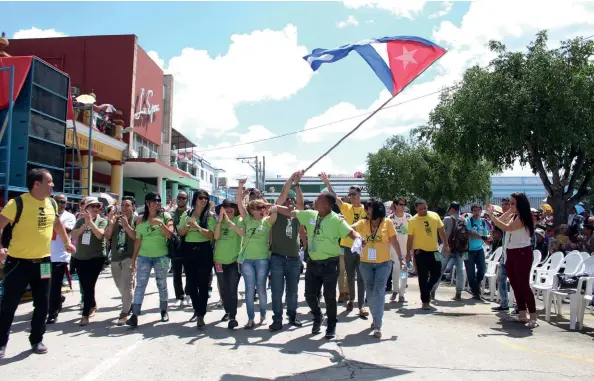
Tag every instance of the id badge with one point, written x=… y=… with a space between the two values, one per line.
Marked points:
x=218 y=267
x=465 y=256
x=86 y=238
x=312 y=245
x=46 y=270
x=165 y=262
x=437 y=256
x=371 y=254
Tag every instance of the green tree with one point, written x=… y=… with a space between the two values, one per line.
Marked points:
x=535 y=106
x=406 y=167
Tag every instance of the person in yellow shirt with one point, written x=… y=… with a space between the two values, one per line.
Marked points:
x=352 y=213
x=379 y=234
x=28 y=255
x=423 y=230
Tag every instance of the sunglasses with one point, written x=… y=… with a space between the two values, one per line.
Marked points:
x=202 y=198
x=259 y=208
x=61 y=202
x=402 y=204
x=158 y=200
x=94 y=206
x=182 y=198
x=352 y=194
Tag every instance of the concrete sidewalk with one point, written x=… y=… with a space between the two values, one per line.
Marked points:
x=456 y=341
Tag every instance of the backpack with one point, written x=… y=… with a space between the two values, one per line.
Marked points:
x=7 y=231
x=459 y=239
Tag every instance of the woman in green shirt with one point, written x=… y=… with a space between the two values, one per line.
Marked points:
x=255 y=254
x=226 y=253
x=150 y=252
x=197 y=226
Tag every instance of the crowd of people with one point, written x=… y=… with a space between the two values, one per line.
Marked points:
x=360 y=249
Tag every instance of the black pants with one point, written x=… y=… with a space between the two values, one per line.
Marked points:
x=228 y=283
x=178 y=286
x=55 y=296
x=198 y=262
x=18 y=273
x=318 y=274
x=429 y=272
x=88 y=273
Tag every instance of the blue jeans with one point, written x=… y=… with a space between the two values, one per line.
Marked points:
x=375 y=276
x=144 y=265
x=475 y=269
x=255 y=274
x=503 y=285
x=282 y=268
x=458 y=262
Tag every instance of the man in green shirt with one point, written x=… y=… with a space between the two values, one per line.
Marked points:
x=177 y=263
x=324 y=229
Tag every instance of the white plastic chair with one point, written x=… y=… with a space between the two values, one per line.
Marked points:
x=572 y=263
x=573 y=266
x=491 y=273
x=583 y=301
x=585 y=255
x=543 y=281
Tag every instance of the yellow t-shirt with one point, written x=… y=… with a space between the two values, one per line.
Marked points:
x=380 y=242
x=424 y=229
x=351 y=214
x=32 y=236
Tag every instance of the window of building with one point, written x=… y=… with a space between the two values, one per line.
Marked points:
x=202 y=174
x=211 y=179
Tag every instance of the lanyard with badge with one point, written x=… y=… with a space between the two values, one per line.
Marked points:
x=371 y=251
x=312 y=246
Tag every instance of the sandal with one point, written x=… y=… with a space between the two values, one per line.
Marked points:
x=532 y=324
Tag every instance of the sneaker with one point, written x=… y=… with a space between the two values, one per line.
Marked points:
x=181 y=303
x=122 y=320
x=330 y=333
x=164 y=316
x=232 y=324
x=2 y=352
x=51 y=319
x=133 y=321
x=225 y=317
x=250 y=325
x=200 y=322
x=349 y=306
x=458 y=296
x=39 y=348
x=84 y=321
x=276 y=326
x=219 y=304
x=401 y=299
x=194 y=318
x=377 y=333
x=477 y=297
x=363 y=312
x=315 y=328
x=393 y=297
x=500 y=308
x=295 y=322
x=426 y=306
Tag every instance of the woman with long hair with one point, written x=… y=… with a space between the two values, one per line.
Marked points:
x=90 y=255
x=228 y=244
x=379 y=236
x=153 y=230
x=518 y=224
x=254 y=255
x=197 y=227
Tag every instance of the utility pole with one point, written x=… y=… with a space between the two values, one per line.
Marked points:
x=253 y=162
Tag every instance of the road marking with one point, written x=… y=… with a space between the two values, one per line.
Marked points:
x=107 y=364
x=537 y=351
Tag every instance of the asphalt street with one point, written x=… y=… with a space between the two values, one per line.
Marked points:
x=456 y=341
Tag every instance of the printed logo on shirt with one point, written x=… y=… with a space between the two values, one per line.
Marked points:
x=41 y=219
x=356 y=217
x=427 y=228
x=224 y=232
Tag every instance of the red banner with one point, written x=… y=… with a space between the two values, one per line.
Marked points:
x=21 y=69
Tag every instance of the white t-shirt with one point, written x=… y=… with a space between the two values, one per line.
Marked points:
x=518 y=238
x=58 y=253
x=401 y=226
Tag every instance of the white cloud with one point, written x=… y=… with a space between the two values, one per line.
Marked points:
x=208 y=89
x=350 y=21
x=447 y=8
x=155 y=56
x=37 y=33
x=408 y=9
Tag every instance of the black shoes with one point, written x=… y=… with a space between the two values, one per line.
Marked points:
x=51 y=319
x=295 y=322
x=499 y=309
x=200 y=322
x=225 y=317
x=232 y=324
x=164 y=316
x=330 y=333
x=276 y=325
x=133 y=321
x=39 y=348
x=315 y=328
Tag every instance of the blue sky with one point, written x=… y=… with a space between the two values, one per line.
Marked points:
x=240 y=77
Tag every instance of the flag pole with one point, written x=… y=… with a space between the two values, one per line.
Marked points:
x=370 y=115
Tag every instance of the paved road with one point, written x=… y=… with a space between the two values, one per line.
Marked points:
x=457 y=341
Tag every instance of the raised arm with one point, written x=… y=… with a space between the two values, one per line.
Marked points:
x=506 y=227
x=273 y=214
x=282 y=197
x=285 y=211
x=299 y=192
x=324 y=178
x=222 y=218
x=239 y=198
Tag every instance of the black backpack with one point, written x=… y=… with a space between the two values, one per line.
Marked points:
x=459 y=239
x=7 y=231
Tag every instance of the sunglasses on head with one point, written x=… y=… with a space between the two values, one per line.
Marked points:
x=202 y=198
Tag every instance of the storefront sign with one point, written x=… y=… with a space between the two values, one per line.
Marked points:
x=101 y=149
x=144 y=107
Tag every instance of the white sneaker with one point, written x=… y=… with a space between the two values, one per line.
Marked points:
x=181 y=303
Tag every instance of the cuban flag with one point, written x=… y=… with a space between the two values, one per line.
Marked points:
x=397 y=61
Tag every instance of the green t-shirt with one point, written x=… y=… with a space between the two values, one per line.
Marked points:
x=228 y=245
x=323 y=233
x=154 y=243
x=122 y=246
x=194 y=235
x=88 y=246
x=255 y=242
